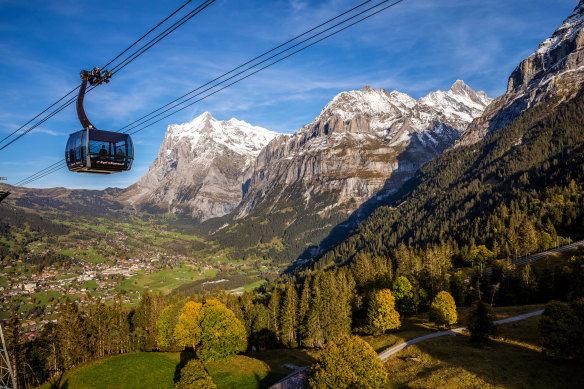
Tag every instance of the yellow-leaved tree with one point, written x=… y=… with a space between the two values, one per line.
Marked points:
x=443 y=309
x=187 y=331
x=223 y=335
x=382 y=315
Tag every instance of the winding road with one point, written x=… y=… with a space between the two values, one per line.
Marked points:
x=572 y=246
x=395 y=349
x=521 y=261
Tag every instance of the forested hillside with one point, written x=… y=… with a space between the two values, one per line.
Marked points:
x=514 y=192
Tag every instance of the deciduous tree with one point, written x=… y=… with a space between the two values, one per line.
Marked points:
x=349 y=362
x=443 y=309
x=404 y=296
x=194 y=376
x=222 y=334
x=187 y=331
x=382 y=315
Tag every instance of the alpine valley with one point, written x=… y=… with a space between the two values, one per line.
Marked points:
x=352 y=246
x=282 y=195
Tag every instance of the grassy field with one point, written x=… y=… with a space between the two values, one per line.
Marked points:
x=157 y=371
x=164 y=280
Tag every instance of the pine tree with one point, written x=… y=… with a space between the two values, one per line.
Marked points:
x=274 y=308
x=528 y=242
x=289 y=316
x=73 y=344
x=303 y=311
x=144 y=319
x=314 y=336
x=481 y=322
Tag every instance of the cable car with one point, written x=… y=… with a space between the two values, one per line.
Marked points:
x=96 y=151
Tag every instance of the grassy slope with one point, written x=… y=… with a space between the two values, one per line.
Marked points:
x=157 y=371
x=512 y=359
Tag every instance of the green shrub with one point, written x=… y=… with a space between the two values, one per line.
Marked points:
x=194 y=376
x=561 y=329
x=481 y=323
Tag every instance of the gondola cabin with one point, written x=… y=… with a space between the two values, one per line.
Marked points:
x=100 y=152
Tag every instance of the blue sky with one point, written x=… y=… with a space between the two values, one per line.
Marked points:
x=416 y=47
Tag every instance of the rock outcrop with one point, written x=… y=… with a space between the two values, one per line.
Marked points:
x=555 y=69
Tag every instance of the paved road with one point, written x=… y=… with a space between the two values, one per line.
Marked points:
x=297 y=379
x=529 y=258
x=524 y=260
x=395 y=349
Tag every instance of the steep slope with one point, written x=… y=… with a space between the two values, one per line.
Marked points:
x=555 y=69
x=514 y=192
x=200 y=168
x=358 y=150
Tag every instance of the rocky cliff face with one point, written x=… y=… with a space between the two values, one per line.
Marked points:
x=200 y=168
x=555 y=69
x=307 y=190
x=363 y=143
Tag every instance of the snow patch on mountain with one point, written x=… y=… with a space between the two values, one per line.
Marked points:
x=566 y=32
x=237 y=135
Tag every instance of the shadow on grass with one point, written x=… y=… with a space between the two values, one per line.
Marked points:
x=58 y=383
x=270 y=379
x=185 y=357
x=495 y=362
x=275 y=359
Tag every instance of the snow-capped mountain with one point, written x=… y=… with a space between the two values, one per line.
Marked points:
x=363 y=141
x=555 y=69
x=200 y=167
x=331 y=172
x=457 y=107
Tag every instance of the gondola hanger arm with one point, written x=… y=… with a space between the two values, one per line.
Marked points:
x=94 y=77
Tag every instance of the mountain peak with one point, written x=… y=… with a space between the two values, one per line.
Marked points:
x=384 y=110
x=460 y=87
x=201 y=166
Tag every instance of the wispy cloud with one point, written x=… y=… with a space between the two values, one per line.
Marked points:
x=49 y=132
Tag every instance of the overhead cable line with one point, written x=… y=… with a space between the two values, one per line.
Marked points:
x=51 y=169
x=145 y=35
x=162 y=35
x=247 y=63
x=42 y=121
x=118 y=67
x=46 y=109
x=262 y=62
